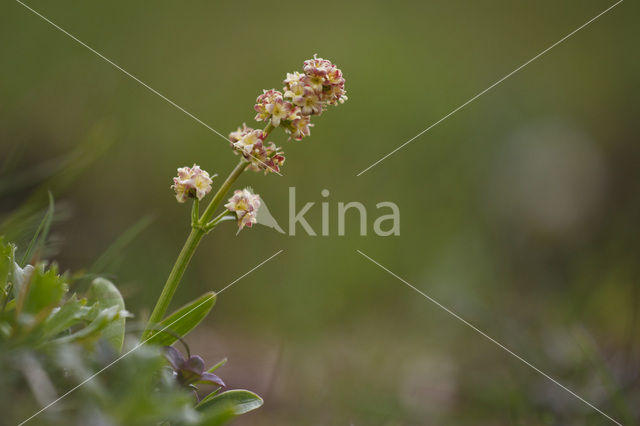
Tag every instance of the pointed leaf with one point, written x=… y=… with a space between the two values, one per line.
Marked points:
x=220 y=363
x=182 y=321
x=106 y=295
x=95 y=329
x=72 y=312
x=242 y=401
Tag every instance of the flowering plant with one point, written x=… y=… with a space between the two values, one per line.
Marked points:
x=52 y=337
x=304 y=95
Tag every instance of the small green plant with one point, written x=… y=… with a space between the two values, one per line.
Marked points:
x=62 y=344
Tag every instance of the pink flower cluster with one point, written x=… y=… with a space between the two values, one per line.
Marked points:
x=305 y=94
x=245 y=205
x=261 y=155
x=191 y=182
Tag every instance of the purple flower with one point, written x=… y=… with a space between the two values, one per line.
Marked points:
x=191 y=370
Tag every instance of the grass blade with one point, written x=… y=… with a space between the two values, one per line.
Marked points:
x=40 y=237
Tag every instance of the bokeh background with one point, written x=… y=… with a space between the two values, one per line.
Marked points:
x=520 y=212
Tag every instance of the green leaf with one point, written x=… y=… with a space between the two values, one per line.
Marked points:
x=73 y=311
x=94 y=330
x=105 y=295
x=217 y=416
x=220 y=363
x=40 y=237
x=44 y=292
x=202 y=403
x=242 y=401
x=182 y=321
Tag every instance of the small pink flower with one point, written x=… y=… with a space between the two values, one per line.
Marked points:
x=333 y=95
x=264 y=102
x=279 y=110
x=240 y=133
x=246 y=143
x=245 y=205
x=295 y=92
x=300 y=128
x=191 y=182
x=317 y=66
x=293 y=79
x=261 y=156
x=316 y=82
x=267 y=158
x=334 y=77
x=310 y=103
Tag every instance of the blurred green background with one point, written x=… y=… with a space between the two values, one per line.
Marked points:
x=520 y=212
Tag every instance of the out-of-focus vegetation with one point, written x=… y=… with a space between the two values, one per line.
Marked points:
x=58 y=350
x=520 y=212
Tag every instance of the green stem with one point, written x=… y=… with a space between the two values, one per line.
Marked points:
x=217 y=219
x=268 y=129
x=213 y=205
x=173 y=280
x=193 y=240
x=199 y=227
x=195 y=212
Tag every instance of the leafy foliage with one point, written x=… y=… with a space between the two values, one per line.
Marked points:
x=52 y=340
x=65 y=357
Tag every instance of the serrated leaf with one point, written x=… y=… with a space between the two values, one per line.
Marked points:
x=105 y=295
x=240 y=400
x=44 y=292
x=73 y=311
x=94 y=330
x=182 y=321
